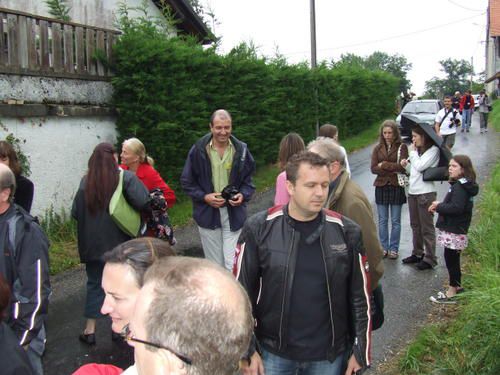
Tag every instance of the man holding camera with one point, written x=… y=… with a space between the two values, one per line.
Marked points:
x=217 y=177
x=446 y=122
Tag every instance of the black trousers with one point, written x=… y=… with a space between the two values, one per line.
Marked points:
x=95 y=294
x=452 y=259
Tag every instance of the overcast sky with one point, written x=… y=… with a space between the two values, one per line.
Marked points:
x=424 y=31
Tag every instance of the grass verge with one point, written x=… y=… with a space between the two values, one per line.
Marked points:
x=470 y=343
x=363 y=139
x=62 y=230
x=494 y=117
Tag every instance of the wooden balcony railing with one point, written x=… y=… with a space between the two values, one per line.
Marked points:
x=41 y=46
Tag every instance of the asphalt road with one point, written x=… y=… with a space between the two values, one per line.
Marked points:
x=406 y=290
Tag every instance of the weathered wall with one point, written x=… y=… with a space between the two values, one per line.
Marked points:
x=55 y=90
x=99 y=13
x=58 y=150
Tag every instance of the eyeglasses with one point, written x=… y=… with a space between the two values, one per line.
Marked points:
x=127 y=335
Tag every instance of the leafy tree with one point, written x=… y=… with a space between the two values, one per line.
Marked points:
x=396 y=65
x=349 y=60
x=59 y=9
x=457 y=78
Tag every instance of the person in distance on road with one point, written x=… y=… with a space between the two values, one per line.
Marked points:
x=446 y=122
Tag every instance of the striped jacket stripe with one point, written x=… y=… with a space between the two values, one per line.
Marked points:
x=38 y=302
x=368 y=310
x=238 y=258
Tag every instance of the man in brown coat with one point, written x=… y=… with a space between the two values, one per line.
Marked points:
x=347 y=198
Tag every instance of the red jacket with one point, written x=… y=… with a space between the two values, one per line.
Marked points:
x=466 y=99
x=152 y=179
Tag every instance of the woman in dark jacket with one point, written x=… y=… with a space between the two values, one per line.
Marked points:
x=24 y=187
x=455 y=214
x=389 y=195
x=97 y=232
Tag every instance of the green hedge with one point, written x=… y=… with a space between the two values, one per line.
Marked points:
x=166 y=90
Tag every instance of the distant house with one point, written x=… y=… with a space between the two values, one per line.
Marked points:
x=55 y=91
x=493 y=47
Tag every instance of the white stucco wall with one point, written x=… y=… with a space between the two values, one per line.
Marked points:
x=99 y=13
x=58 y=150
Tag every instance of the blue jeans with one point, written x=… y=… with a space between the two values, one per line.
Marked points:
x=389 y=243
x=276 y=365
x=466 y=118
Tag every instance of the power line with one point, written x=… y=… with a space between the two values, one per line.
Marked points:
x=461 y=6
x=391 y=37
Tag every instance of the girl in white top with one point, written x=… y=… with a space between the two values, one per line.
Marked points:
x=421 y=194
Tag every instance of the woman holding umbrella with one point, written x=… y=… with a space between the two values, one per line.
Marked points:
x=421 y=194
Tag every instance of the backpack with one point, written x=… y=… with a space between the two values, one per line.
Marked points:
x=30 y=223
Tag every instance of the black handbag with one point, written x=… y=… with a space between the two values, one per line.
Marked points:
x=436 y=174
x=440 y=172
x=378 y=308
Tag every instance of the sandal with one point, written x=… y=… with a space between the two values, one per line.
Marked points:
x=385 y=253
x=443 y=299
x=393 y=255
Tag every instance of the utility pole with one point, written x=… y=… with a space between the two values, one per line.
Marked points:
x=472 y=71
x=313 y=57
x=313 y=34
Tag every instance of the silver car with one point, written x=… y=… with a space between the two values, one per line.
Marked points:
x=425 y=110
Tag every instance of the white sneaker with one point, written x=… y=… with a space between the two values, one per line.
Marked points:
x=442 y=299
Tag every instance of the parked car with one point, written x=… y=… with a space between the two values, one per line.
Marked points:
x=476 y=101
x=425 y=110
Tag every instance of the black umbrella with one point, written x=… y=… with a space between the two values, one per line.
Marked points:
x=413 y=121
x=439 y=173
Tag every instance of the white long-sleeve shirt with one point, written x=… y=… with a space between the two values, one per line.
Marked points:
x=416 y=167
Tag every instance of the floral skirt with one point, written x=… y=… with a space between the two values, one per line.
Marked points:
x=452 y=240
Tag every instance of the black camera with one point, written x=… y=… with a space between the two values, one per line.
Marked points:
x=454 y=122
x=157 y=201
x=229 y=192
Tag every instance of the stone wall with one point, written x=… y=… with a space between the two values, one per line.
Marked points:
x=54 y=90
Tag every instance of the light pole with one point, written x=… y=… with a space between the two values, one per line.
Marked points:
x=313 y=57
x=471 y=71
x=313 y=33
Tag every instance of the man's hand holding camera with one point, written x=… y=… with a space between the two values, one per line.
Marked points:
x=237 y=200
x=229 y=194
x=215 y=200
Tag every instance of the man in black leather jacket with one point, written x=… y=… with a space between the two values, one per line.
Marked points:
x=306 y=274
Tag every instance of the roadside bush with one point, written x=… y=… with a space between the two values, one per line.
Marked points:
x=166 y=89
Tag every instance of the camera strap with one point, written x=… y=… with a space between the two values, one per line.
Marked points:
x=446 y=115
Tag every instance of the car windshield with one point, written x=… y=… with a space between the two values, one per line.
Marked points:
x=420 y=107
